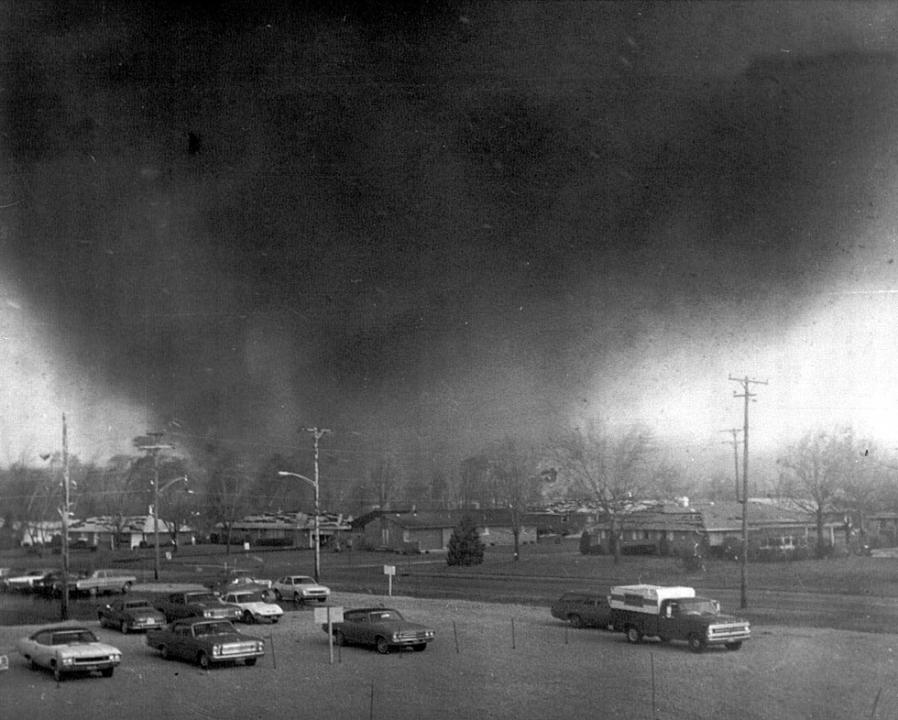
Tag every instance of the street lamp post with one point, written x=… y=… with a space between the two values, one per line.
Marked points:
x=314 y=484
x=157 y=491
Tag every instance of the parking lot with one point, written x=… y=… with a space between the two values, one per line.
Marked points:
x=488 y=661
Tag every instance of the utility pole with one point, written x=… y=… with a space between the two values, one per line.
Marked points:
x=64 y=611
x=747 y=394
x=317 y=434
x=735 y=432
x=153 y=450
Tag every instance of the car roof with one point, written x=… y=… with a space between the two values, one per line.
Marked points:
x=370 y=609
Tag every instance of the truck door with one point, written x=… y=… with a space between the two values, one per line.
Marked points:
x=670 y=623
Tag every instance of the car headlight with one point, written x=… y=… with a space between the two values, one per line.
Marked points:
x=68 y=661
x=259 y=647
x=116 y=657
x=207 y=613
x=216 y=649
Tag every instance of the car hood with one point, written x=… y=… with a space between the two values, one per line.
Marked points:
x=85 y=650
x=259 y=606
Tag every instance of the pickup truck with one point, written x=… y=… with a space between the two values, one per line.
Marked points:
x=197 y=603
x=675 y=613
x=102 y=581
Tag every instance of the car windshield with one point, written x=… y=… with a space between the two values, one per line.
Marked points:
x=303 y=581
x=137 y=605
x=385 y=615
x=72 y=637
x=217 y=628
x=699 y=606
x=247 y=597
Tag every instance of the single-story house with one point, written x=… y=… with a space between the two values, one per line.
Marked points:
x=288 y=528
x=671 y=527
x=101 y=531
x=418 y=532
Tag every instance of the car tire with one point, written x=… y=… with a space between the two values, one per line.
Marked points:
x=126 y=588
x=575 y=620
x=203 y=661
x=107 y=672
x=250 y=662
x=125 y=627
x=383 y=647
x=696 y=644
x=274 y=620
x=634 y=636
x=297 y=598
x=339 y=638
x=248 y=617
x=34 y=666
x=57 y=672
x=420 y=647
x=734 y=646
x=277 y=595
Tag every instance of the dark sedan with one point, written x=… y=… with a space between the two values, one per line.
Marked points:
x=583 y=609
x=127 y=615
x=383 y=628
x=205 y=642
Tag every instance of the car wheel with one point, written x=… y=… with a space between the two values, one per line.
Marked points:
x=383 y=647
x=322 y=600
x=34 y=666
x=274 y=620
x=734 y=645
x=163 y=651
x=126 y=587
x=339 y=638
x=250 y=662
x=633 y=635
x=248 y=617
x=203 y=660
x=102 y=619
x=107 y=672
x=57 y=672
x=576 y=620
x=277 y=595
x=421 y=647
x=696 y=644
x=125 y=627
x=297 y=598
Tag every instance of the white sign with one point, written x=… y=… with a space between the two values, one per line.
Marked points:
x=4 y=662
x=321 y=614
x=389 y=569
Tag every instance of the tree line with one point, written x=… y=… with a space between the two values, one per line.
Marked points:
x=824 y=473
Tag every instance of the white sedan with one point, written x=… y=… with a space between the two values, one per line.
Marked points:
x=253 y=605
x=299 y=588
x=24 y=580
x=69 y=649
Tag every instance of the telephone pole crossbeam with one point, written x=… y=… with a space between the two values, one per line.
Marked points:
x=746 y=383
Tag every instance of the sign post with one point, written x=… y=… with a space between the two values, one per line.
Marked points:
x=329 y=615
x=389 y=571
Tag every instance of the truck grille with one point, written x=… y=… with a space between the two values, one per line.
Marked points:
x=92 y=660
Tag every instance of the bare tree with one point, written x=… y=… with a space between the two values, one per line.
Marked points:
x=816 y=472
x=228 y=495
x=613 y=470
x=515 y=474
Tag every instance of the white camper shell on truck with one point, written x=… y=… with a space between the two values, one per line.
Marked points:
x=674 y=613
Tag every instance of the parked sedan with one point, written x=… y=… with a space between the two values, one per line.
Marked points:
x=299 y=588
x=384 y=628
x=127 y=615
x=206 y=642
x=69 y=649
x=253 y=606
x=582 y=609
x=24 y=581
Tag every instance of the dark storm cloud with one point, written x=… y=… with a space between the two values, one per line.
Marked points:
x=252 y=216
